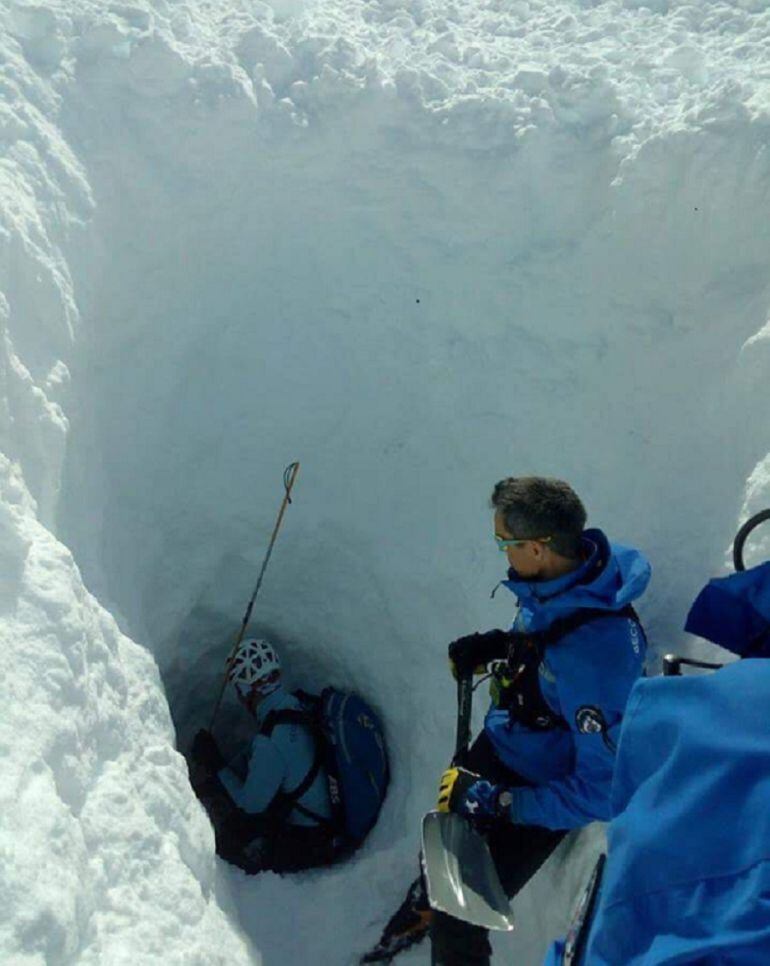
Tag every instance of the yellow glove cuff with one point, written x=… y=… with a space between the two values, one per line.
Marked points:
x=445 y=788
x=496 y=687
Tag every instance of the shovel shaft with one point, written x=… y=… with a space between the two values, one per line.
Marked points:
x=460 y=874
x=464 y=706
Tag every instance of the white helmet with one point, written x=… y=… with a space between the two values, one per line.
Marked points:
x=255 y=664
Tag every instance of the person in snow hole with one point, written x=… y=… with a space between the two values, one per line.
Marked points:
x=271 y=810
x=561 y=676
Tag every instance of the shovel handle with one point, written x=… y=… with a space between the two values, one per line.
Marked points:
x=464 y=705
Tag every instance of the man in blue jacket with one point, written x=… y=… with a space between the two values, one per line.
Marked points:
x=273 y=811
x=543 y=763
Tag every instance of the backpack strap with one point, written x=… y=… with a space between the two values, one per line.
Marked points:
x=287 y=802
x=285 y=716
x=521 y=693
x=566 y=625
x=563 y=626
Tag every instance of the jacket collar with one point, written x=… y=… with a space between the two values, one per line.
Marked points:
x=595 y=546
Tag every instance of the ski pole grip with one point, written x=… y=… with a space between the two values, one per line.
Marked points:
x=464 y=705
x=672 y=665
x=742 y=534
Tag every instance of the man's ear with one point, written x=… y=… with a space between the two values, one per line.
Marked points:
x=539 y=549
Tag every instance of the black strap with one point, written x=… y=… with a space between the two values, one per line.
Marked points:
x=566 y=625
x=287 y=802
x=563 y=626
x=523 y=696
x=284 y=716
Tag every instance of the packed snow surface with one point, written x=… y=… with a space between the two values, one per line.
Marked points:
x=416 y=245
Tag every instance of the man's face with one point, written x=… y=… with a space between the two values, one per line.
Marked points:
x=527 y=557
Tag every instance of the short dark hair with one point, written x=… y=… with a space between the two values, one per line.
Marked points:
x=535 y=506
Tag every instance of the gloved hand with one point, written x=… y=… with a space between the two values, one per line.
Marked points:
x=472 y=653
x=472 y=796
x=205 y=752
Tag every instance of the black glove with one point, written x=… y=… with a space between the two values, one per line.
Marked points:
x=472 y=653
x=205 y=752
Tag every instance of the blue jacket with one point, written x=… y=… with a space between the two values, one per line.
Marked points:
x=688 y=869
x=279 y=763
x=734 y=612
x=594 y=667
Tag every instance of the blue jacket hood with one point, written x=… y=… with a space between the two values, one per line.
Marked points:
x=611 y=577
x=734 y=612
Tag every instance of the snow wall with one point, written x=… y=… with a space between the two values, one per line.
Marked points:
x=416 y=245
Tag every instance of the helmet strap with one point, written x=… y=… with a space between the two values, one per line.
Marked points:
x=259 y=690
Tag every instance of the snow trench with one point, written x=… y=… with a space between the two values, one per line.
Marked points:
x=415 y=248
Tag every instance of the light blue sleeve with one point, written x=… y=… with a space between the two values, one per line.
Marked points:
x=265 y=776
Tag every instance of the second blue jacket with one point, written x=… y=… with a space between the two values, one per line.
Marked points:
x=688 y=869
x=279 y=764
x=591 y=668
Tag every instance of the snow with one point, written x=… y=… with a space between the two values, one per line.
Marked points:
x=416 y=245
x=105 y=855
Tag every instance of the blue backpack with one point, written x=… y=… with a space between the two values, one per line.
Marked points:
x=350 y=747
x=734 y=612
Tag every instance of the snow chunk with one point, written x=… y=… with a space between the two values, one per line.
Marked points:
x=105 y=849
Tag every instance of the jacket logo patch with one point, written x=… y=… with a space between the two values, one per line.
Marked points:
x=634 y=629
x=590 y=720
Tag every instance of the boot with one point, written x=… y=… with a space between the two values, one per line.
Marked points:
x=409 y=925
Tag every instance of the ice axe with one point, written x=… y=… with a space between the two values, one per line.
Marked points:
x=289 y=479
x=460 y=873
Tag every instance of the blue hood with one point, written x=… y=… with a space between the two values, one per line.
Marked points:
x=688 y=879
x=734 y=612
x=611 y=577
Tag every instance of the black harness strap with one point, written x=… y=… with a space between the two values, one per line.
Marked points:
x=287 y=802
x=565 y=625
x=523 y=696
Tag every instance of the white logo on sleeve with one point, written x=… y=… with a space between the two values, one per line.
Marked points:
x=635 y=642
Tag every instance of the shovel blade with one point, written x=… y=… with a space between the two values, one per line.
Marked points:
x=460 y=873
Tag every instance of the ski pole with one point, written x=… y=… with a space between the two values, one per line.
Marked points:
x=584 y=914
x=740 y=537
x=464 y=705
x=672 y=665
x=289 y=478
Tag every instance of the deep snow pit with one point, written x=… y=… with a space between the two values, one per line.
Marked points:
x=417 y=246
